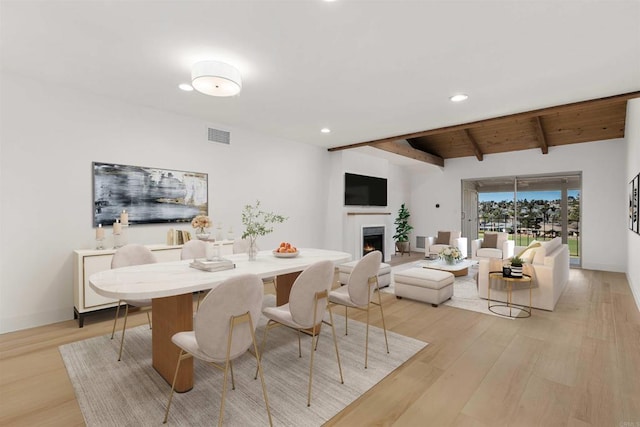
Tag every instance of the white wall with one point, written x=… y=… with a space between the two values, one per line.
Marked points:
x=604 y=213
x=50 y=136
x=632 y=135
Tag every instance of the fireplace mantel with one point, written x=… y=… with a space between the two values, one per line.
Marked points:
x=368 y=213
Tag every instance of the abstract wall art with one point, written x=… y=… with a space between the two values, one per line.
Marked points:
x=149 y=195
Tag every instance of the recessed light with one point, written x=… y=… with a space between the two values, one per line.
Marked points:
x=325 y=130
x=459 y=97
x=185 y=87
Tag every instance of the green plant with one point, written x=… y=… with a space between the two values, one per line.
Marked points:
x=402 y=225
x=516 y=261
x=257 y=222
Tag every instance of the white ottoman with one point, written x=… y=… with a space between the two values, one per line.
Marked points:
x=384 y=273
x=423 y=284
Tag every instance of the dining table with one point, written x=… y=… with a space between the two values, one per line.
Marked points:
x=171 y=285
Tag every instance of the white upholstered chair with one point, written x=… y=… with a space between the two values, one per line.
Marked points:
x=241 y=246
x=224 y=329
x=358 y=293
x=305 y=310
x=194 y=249
x=492 y=245
x=125 y=256
x=444 y=239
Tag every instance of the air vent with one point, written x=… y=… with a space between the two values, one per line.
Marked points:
x=217 y=135
x=420 y=240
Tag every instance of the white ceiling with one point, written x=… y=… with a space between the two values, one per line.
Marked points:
x=366 y=69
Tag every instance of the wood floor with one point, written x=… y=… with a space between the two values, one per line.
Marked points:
x=576 y=366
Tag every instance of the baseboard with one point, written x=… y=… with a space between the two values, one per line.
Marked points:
x=635 y=290
x=32 y=320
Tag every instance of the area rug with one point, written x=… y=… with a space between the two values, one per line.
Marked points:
x=131 y=392
x=465 y=295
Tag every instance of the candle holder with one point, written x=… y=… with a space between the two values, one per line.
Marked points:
x=100 y=243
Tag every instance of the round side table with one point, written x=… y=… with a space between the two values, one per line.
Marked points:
x=510 y=282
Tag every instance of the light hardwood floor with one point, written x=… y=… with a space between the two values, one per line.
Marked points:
x=576 y=366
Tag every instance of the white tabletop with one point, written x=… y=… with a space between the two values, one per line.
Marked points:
x=176 y=278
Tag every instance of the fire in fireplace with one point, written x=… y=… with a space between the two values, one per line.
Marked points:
x=372 y=240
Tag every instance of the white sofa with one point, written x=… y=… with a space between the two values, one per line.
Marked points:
x=504 y=248
x=549 y=269
x=455 y=239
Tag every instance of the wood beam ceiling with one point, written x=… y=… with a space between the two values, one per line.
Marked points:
x=593 y=120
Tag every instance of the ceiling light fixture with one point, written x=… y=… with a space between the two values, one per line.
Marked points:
x=186 y=87
x=325 y=130
x=216 y=78
x=459 y=97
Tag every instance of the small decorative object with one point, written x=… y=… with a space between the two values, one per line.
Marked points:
x=451 y=255
x=506 y=271
x=124 y=217
x=516 y=266
x=402 y=230
x=230 y=234
x=99 y=237
x=257 y=223
x=201 y=223
x=212 y=251
x=219 y=235
x=117 y=234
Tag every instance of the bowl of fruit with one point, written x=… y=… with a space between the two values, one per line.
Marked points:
x=286 y=250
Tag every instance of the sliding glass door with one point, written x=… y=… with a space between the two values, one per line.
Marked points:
x=528 y=208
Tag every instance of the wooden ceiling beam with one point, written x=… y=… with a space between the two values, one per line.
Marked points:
x=405 y=150
x=474 y=144
x=541 y=136
x=576 y=106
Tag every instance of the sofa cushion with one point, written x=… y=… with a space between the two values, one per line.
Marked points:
x=443 y=238
x=545 y=249
x=490 y=240
x=489 y=253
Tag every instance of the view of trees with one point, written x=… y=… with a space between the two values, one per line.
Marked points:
x=536 y=219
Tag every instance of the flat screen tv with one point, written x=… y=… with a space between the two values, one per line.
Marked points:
x=361 y=190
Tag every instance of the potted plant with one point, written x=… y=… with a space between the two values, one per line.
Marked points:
x=257 y=223
x=402 y=230
x=516 y=266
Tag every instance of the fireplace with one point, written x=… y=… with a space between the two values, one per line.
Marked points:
x=372 y=240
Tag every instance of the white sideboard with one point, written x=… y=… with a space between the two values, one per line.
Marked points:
x=89 y=261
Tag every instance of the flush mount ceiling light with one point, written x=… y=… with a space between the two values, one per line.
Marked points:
x=216 y=78
x=185 y=87
x=459 y=97
x=325 y=130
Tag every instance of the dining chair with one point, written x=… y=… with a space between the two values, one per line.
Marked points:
x=305 y=311
x=241 y=246
x=194 y=249
x=128 y=255
x=358 y=293
x=224 y=329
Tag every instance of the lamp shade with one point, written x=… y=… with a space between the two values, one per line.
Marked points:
x=216 y=78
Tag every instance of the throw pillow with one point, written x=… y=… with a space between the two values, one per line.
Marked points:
x=443 y=238
x=490 y=240
x=529 y=252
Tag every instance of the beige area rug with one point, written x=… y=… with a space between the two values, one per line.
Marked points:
x=465 y=294
x=131 y=392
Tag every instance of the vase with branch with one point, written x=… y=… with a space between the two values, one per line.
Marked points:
x=257 y=223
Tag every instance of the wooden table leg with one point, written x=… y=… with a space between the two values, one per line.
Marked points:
x=285 y=283
x=172 y=315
